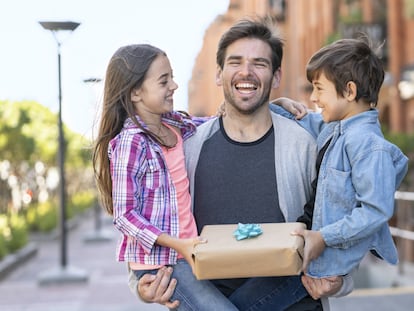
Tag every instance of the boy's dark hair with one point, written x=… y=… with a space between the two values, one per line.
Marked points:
x=259 y=28
x=348 y=60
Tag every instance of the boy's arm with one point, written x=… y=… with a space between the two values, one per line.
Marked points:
x=312 y=121
x=373 y=178
x=292 y=109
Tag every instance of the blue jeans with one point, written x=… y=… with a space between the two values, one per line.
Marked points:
x=194 y=294
x=268 y=293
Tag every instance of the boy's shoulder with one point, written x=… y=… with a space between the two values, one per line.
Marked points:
x=368 y=139
x=288 y=128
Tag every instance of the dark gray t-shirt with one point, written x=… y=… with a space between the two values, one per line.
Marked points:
x=236 y=182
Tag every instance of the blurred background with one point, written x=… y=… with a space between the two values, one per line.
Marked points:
x=33 y=203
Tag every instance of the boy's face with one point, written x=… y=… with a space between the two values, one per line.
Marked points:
x=334 y=106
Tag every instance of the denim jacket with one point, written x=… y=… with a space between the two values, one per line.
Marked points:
x=358 y=177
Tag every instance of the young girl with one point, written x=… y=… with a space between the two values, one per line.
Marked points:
x=141 y=175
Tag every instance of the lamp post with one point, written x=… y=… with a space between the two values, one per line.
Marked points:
x=98 y=234
x=63 y=273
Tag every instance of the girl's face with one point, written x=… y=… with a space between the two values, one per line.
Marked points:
x=333 y=106
x=155 y=96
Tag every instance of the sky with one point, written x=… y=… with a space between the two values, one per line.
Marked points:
x=28 y=55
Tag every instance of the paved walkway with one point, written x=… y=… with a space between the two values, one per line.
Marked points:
x=106 y=286
x=105 y=289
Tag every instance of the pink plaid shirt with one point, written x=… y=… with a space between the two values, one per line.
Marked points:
x=143 y=194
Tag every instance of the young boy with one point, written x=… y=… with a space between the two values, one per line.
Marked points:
x=359 y=171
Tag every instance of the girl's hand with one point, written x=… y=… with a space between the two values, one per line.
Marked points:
x=186 y=246
x=221 y=110
x=298 y=109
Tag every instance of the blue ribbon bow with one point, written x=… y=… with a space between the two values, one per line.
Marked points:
x=245 y=231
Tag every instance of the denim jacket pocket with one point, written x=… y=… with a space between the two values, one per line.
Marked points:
x=340 y=190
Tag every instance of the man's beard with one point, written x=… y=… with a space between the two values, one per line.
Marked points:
x=252 y=109
x=263 y=100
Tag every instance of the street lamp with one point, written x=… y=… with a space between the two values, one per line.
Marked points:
x=63 y=273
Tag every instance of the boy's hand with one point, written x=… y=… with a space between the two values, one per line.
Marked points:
x=314 y=245
x=298 y=109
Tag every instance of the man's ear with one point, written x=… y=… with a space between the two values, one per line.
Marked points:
x=136 y=95
x=351 y=91
x=277 y=76
x=219 y=72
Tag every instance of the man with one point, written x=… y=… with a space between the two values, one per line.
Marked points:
x=248 y=166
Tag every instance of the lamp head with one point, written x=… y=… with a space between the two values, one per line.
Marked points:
x=56 y=26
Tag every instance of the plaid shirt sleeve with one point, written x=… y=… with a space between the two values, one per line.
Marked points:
x=127 y=164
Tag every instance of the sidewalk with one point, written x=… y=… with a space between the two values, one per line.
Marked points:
x=106 y=286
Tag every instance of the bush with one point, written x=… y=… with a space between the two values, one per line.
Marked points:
x=3 y=248
x=4 y=232
x=406 y=143
x=81 y=201
x=13 y=234
x=19 y=234
x=42 y=217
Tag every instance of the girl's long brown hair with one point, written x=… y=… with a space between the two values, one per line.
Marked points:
x=126 y=71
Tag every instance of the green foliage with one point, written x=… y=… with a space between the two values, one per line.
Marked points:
x=42 y=216
x=405 y=141
x=18 y=233
x=28 y=152
x=29 y=132
x=81 y=201
x=4 y=235
x=13 y=233
x=3 y=247
x=332 y=38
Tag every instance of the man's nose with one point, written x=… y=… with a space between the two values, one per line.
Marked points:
x=246 y=68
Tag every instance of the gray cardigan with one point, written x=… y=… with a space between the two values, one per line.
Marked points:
x=295 y=158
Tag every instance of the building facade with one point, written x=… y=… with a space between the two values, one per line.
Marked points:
x=306 y=26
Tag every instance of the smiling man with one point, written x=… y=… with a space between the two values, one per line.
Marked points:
x=248 y=166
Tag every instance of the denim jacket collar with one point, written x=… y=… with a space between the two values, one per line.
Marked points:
x=337 y=128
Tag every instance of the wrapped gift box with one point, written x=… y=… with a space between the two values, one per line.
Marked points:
x=275 y=252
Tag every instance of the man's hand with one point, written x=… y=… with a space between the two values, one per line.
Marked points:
x=158 y=288
x=323 y=287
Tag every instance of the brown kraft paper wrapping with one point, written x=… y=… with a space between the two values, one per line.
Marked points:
x=273 y=253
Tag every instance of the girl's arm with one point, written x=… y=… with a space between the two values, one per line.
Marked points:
x=184 y=247
x=128 y=164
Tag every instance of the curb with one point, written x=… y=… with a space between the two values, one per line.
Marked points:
x=11 y=261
